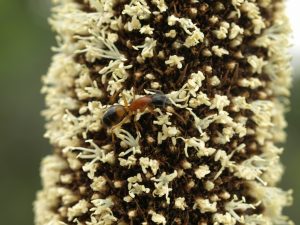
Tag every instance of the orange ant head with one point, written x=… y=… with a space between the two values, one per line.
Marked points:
x=160 y=100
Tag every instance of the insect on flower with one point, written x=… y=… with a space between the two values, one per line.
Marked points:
x=117 y=114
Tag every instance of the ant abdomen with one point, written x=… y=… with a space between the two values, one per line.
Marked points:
x=114 y=115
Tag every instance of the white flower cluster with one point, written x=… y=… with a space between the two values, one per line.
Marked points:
x=222 y=32
x=195 y=35
x=138 y=8
x=157 y=218
x=147 y=47
x=99 y=45
x=256 y=63
x=134 y=187
x=118 y=75
x=162 y=185
x=198 y=144
x=204 y=205
x=219 y=51
x=153 y=164
x=180 y=203
x=101 y=212
x=175 y=60
x=161 y=5
x=96 y=153
x=236 y=204
x=190 y=89
x=128 y=141
x=253 y=13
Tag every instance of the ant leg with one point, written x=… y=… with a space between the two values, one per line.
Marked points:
x=141 y=87
x=136 y=126
x=117 y=127
x=140 y=209
x=120 y=124
x=113 y=140
x=176 y=114
x=180 y=117
x=112 y=99
x=182 y=74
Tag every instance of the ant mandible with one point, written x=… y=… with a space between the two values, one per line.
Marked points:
x=116 y=115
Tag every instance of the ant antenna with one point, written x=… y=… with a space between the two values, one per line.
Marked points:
x=180 y=117
x=112 y=99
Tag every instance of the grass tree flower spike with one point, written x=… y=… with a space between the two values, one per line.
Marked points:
x=166 y=112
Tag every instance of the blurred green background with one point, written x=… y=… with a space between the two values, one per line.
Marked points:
x=25 y=40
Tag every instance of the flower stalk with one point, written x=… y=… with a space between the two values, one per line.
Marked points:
x=208 y=156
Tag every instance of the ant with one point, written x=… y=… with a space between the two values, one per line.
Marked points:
x=117 y=114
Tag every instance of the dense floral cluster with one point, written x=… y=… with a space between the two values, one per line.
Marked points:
x=210 y=157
